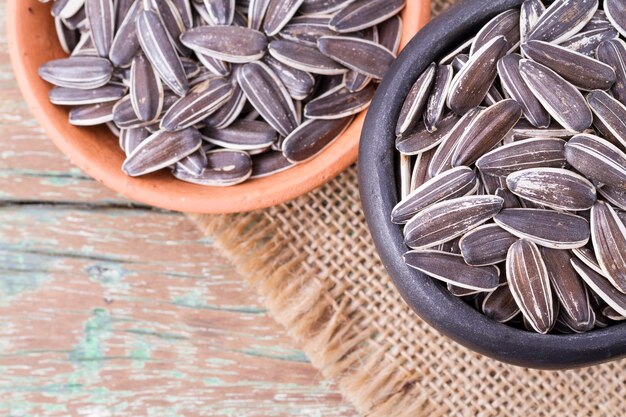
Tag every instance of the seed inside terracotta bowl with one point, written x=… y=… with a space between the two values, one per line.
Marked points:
x=512 y=168
x=219 y=91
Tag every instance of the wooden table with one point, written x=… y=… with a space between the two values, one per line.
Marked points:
x=115 y=309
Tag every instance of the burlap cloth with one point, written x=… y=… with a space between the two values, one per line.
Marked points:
x=314 y=263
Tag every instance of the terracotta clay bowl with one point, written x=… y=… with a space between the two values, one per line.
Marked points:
x=379 y=193
x=32 y=41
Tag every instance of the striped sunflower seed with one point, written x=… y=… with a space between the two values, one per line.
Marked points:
x=161 y=150
x=459 y=50
x=146 y=89
x=609 y=117
x=505 y=24
x=305 y=58
x=363 y=14
x=68 y=38
x=529 y=284
x=437 y=100
x=92 y=114
x=530 y=11
x=601 y=286
x=420 y=174
x=563 y=19
x=487 y=129
x=126 y=42
x=451 y=268
x=64 y=96
x=613 y=53
x=363 y=56
x=83 y=73
x=300 y=84
x=256 y=13
x=224 y=168
x=457 y=182
x=278 y=14
x=420 y=139
x=608 y=235
x=560 y=98
x=269 y=163
x=587 y=42
x=390 y=33
x=312 y=137
x=597 y=159
x=415 y=102
x=242 y=135
x=610 y=313
x=524 y=130
x=338 y=103
x=405 y=175
x=514 y=85
x=500 y=305
x=486 y=245
x=307 y=30
x=548 y=228
x=321 y=7
x=131 y=138
x=174 y=25
x=471 y=84
x=524 y=154
x=510 y=200
x=66 y=8
x=268 y=96
x=449 y=219
x=582 y=71
x=616 y=14
x=194 y=163
x=229 y=111
x=556 y=188
x=101 y=17
x=227 y=43
x=201 y=101
x=614 y=195
x=160 y=51
x=221 y=12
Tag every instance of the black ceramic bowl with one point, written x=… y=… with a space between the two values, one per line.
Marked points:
x=379 y=193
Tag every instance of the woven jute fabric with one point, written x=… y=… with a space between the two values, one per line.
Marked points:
x=315 y=265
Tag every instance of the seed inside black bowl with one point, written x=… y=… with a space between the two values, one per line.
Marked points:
x=253 y=78
x=512 y=156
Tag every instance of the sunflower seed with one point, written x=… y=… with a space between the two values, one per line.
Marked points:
x=360 y=55
x=300 y=84
x=608 y=235
x=587 y=42
x=487 y=129
x=221 y=12
x=131 y=138
x=224 y=168
x=510 y=200
x=174 y=24
x=68 y=38
x=486 y=245
x=457 y=182
x=610 y=313
x=229 y=111
x=362 y=14
x=577 y=327
x=459 y=50
x=227 y=43
x=460 y=291
x=569 y=288
x=159 y=49
x=616 y=14
x=390 y=33
x=66 y=8
x=160 y=150
x=312 y=137
x=203 y=100
x=242 y=135
x=614 y=195
x=514 y=85
x=527 y=153
x=269 y=163
x=548 y=228
x=556 y=188
x=452 y=269
x=146 y=91
x=194 y=163
x=582 y=71
x=500 y=305
x=597 y=159
x=609 y=117
x=75 y=97
x=317 y=7
x=530 y=12
x=601 y=286
x=529 y=284
x=437 y=100
x=613 y=53
x=524 y=130
x=420 y=169
x=269 y=96
x=92 y=114
x=471 y=84
x=415 y=102
x=185 y=11
x=338 y=103
x=420 y=139
x=126 y=42
x=505 y=24
x=83 y=73
x=449 y=219
x=307 y=32
x=304 y=58
x=405 y=175
x=561 y=99
x=256 y=13
x=278 y=14
x=563 y=19
x=442 y=159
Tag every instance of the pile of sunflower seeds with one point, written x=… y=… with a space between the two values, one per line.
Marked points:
x=220 y=91
x=513 y=167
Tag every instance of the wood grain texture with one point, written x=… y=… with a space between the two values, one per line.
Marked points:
x=115 y=309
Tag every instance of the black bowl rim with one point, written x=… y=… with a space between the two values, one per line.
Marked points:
x=377 y=186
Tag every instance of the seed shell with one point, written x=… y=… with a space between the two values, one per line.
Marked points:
x=587 y=42
x=339 y=102
x=524 y=154
x=616 y=14
x=312 y=137
x=415 y=102
x=83 y=73
x=101 y=17
x=437 y=100
x=92 y=114
x=505 y=24
x=500 y=305
x=530 y=11
x=300 y=84
x=486 y=245
x=269 y=163
x=613 y=53
x=278 y=14
x=360 y=55
x=362 y=14
x=609 y=117
x=420 y=139
x=563 y=19
x=597 y=159
x=64 y=96
x=601 y=286
x=608 y=235
x=243 y=134
x=224 y=168
x=221 y=12
x=146 y=89
x=227 y=43
x=305 y=58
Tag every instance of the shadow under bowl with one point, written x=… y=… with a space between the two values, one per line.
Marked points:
x=378 y=188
